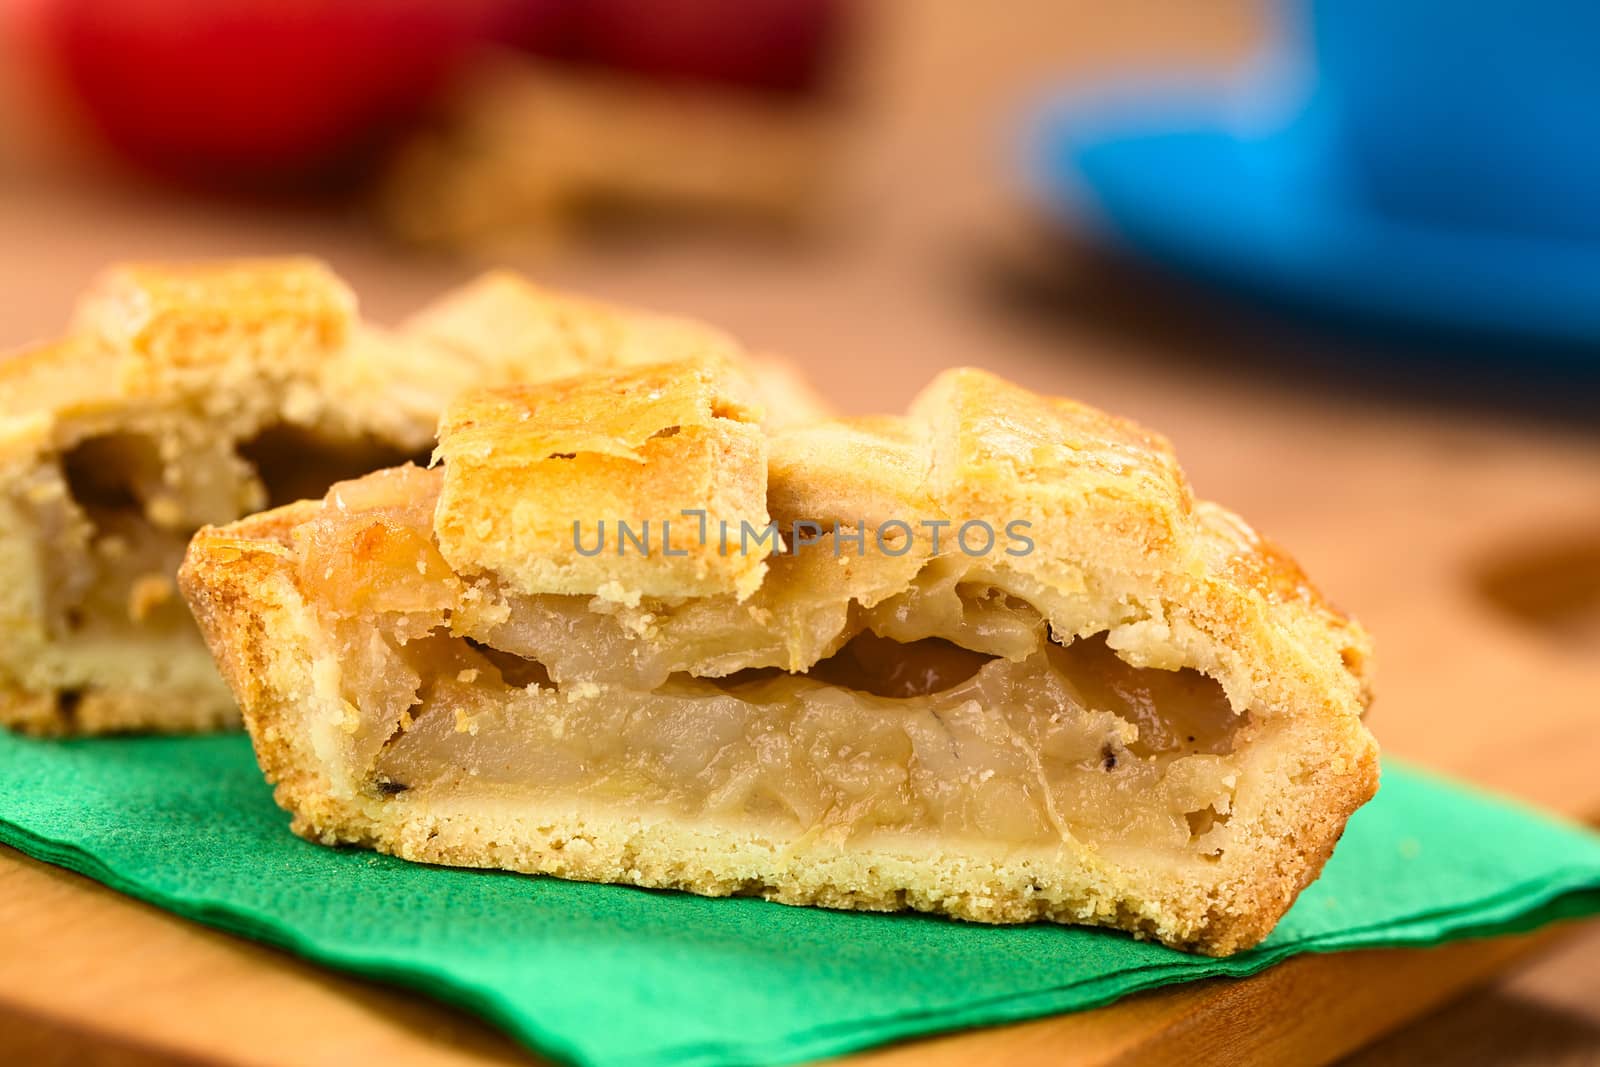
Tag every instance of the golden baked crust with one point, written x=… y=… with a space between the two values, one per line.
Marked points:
x=179 y=327
x=1150 y=720
x=506 y=328
x=193 y=394
x=664 y=441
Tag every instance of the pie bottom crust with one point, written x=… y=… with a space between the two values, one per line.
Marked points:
x=971 y=882
x=66 y=713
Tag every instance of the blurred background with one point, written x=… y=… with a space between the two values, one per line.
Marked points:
x=1347 y=257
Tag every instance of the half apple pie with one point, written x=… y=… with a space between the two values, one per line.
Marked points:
x=185 y=395
x=989 y=659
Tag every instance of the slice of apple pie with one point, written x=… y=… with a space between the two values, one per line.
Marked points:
x=989 y=659
x=191 y=395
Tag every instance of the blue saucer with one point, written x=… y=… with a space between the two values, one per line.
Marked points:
x=1198 y=178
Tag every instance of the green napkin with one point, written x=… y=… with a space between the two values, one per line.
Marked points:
x=609 y=975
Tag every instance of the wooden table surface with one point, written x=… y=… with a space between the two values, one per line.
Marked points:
x=1434 y=507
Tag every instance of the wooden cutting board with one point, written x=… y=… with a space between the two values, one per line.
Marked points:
x=1460 y=520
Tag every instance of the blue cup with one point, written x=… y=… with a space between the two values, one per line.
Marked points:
x=1476 y=114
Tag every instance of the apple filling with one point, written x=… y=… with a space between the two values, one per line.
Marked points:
x=947 y=708
x=116 y=513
